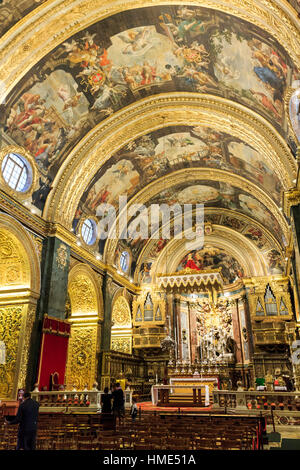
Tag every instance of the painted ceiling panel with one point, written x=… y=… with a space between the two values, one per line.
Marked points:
x=211 y=257
x=174 y=148
x=222 y=195
x=224 y=205
x=136 y=54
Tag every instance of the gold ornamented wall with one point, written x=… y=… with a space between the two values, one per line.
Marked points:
x=19 y=290
x=86 y=316
x=10 y=327
x=121 y=332
x=81 y=369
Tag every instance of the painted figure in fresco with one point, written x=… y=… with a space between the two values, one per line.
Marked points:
x=100 y=198
x=109 y=95
x=272 y=70
x=44 y=118
x=40 y=195
x=94 y=74
x=196 y=55
x=186 y=27
x=256 y=235
x=213 y=258
x=145 y=273
x=202 y=80
x=190 y=263
x=136 y=40
x=275 y=261
x=267 y=103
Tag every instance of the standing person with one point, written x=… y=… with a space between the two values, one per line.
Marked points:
x=106 y=398
x=27 y=418
x=107 y=419
x=133 y=410
x=118 y=406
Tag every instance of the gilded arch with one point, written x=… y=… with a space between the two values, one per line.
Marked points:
x=86 y=318
x=240 y=223
x=19 y=292
x=189 y=176
x=153 y=113
x=243 y=250
x=21 y=47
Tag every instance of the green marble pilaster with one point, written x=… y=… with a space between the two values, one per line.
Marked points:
x=55 y=268
x=54 y=288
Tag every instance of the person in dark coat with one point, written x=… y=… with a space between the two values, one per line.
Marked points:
x=106 y=399
x=119 y=402
x=107 y=418
x=27 y=418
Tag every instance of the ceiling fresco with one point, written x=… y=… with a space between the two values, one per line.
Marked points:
x=170 y=149
x=174 y=148
x=136 y=54
x=213 y=258
x=222 y=195
x=144 y=252
x=237 y=222
x=11 y=11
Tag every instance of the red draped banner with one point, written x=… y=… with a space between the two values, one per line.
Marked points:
x=54 y=349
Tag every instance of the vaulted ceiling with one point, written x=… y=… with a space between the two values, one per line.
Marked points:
x=163 y=103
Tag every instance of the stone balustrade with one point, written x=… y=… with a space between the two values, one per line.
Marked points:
x=63 y=401
x=256 y=400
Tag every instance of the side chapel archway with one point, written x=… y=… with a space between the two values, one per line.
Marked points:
x=86 y=318
x=19 y=292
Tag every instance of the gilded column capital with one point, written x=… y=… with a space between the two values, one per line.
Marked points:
x=291 y=198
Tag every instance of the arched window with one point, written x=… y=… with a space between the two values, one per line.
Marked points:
x=124 y=261
x=158 y=316
x=88 y=231
x=16 y=172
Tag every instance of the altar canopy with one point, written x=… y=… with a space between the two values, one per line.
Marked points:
x=193 y=280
